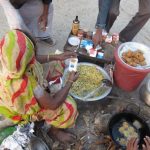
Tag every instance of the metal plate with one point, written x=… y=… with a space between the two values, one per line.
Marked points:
x=104 y=73
x=74 y=41
x=133 y=46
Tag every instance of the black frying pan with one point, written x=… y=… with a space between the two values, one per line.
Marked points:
x=130 y=118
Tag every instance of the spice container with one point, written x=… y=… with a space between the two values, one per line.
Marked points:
x=100 y=55
x=80 y=33
x=92 y=52
x=85 y=32
x=75 y=26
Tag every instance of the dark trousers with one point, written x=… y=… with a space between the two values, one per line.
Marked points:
x=137 y=22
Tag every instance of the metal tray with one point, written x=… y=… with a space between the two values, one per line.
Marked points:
x=105 y=74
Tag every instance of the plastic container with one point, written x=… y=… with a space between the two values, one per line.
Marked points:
x=126 y=77
x=80 y=34
x=73 y=64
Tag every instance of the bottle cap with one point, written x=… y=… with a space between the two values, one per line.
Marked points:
x=76 y=20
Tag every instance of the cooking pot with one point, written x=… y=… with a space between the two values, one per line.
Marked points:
x=129 y=117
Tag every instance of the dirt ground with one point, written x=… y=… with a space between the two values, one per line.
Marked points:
x=64 y=12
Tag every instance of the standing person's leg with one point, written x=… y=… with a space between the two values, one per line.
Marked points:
x=104 y=6
x=137 y=22
x=113 y=14
x=13 y=16
x=31 y=11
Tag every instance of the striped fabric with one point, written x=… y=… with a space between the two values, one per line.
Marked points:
x=20 y=73
x=62 y=117
x=17 y=82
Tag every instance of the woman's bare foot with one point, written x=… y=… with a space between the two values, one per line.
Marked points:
x=61 y=135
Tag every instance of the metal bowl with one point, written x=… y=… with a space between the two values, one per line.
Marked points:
x=104 y=73
x=133 y=46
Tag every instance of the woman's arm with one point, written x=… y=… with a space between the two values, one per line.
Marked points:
x=47 y=58
x=53 y=102
x=47 y=101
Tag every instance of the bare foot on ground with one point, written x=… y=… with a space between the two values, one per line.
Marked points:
x=61 y=135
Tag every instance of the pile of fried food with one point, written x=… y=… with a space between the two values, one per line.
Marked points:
x=89 y=79
x=134 y=58
x=128 y=132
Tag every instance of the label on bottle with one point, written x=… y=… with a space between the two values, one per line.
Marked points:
x=75 y=28
x=73 y=64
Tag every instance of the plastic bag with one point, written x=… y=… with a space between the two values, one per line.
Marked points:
x=23 y=139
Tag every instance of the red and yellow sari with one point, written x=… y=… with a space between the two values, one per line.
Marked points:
x=20 y=74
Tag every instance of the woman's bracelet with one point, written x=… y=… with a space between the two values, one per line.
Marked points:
x=48 y=58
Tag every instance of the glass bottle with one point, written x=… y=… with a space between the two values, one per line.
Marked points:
x=75 y=26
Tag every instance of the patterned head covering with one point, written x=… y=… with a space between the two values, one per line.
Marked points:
x=16 y=53
x=17 y=77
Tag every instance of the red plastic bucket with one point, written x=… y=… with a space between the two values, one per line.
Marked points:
x=126 y=77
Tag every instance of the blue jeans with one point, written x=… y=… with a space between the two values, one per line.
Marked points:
x=104 y=6
x=109 y=10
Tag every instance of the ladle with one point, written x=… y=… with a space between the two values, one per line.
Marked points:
x=104 y=83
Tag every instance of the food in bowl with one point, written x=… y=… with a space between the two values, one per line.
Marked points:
x=89 y=79
x=134 y=58
x=127 y=132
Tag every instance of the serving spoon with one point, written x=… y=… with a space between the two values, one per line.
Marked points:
x=104 y=83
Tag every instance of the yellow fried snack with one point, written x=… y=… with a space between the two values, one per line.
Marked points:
x=134 y=58
x=122 y=141
x=125 y=125
x=143 y=63
x=128 y=132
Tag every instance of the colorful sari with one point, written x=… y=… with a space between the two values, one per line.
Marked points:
x=20 y=74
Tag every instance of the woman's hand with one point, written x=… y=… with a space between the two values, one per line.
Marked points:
x=73 y=76
x=133 y=144
x=67 y=55
x=147 y=143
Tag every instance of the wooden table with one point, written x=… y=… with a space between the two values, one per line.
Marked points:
x=84 y=57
